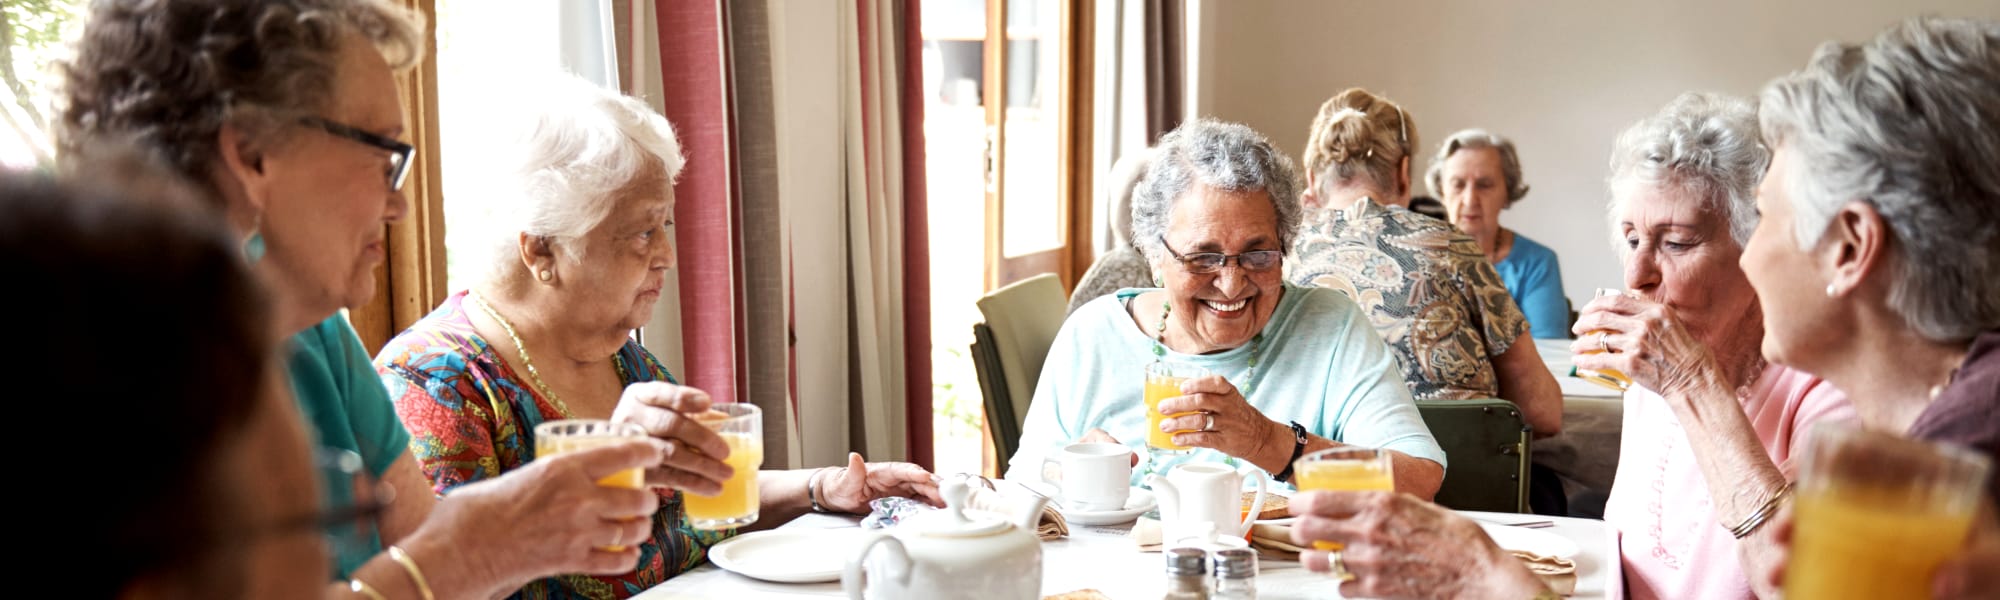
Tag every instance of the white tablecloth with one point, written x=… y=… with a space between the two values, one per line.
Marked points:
x=1102 y=558
x=1585 y=455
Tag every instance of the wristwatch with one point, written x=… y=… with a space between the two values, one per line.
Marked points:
x=1299 y=448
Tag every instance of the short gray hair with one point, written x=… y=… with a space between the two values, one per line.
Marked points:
x=1703 y=144
x=1473 y=139
x=571 y=148
x=1905 y=123
x=1223 y=156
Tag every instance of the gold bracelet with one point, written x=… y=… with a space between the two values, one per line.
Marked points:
x=358 y=586
x=410 y=566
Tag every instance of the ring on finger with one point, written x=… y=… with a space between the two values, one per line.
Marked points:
x=1210 y=425
x=1603 y=343
x=1336 y=568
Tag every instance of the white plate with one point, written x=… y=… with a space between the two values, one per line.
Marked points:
x=1137 y=503
x=795 y=555
x=1530 y=540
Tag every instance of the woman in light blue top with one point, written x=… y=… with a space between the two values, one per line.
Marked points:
x=1477 y=175
x=1294 y=369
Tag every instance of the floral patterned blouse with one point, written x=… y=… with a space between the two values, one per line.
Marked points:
x=471 y=417
x=1426 y=288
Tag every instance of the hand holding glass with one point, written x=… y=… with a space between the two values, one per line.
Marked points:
x=1345 y=469
x=1877 y=514
x=1163 y=381
x=572 y=435
x=741 y=425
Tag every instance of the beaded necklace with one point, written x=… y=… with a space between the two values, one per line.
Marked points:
x=1160 y=348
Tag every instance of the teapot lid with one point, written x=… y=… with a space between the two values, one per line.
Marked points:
x=953 y=521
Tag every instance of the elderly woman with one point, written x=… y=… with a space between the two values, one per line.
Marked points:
x=1711 y=432
x=1877 y=256
x=1477 y=174
x=297 y=150
x=577 y=252
x=1448 y=318
x=1296 y=369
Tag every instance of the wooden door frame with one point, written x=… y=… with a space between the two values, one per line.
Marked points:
x=1074 y=159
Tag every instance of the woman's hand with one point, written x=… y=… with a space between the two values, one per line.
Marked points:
x=1220 y=418
x=557 y=520
x=1645 y=341
x=850 y=489
x=1400 y=547
x=692 y=453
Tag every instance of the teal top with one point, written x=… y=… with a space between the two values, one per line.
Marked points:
x=1535 y=280
x=1321 y=364
x=342 y=397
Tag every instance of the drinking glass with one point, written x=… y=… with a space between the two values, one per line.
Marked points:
x=1610 y=378
x=1346 y=469
x=1876 y=514
x=741 y=425
x=1163 y=381
x=572 y=435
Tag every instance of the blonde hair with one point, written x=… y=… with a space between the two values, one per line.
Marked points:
x=1358 y=134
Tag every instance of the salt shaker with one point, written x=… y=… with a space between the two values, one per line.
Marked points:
x=1187 y=574
x=1235 y=575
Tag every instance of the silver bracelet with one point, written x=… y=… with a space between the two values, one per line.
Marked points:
x=1756 y=519
x=812 y=489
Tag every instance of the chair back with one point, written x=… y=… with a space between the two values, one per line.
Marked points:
x=1021 y=322
x=1487 y=444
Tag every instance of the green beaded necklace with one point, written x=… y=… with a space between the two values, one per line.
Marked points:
x=1160 y=348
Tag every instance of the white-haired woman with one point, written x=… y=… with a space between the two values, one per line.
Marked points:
x=1295 y=369
x=1477 y=174
x=1877 y=258
x=1707 y=420
x=578 y=254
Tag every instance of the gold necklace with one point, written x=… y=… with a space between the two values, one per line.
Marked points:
x=522 y=349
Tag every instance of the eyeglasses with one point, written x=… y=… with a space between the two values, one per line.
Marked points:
x=400 y=154
x=351 y=504
x=1210 y=262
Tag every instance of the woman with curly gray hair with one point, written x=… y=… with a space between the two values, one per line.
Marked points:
x=1295 y=369
x=286 y=113
x=1877 y=258
x=1705 y=414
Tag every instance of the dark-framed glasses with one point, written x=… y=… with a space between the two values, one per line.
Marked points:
x=400 y=154
x=1210 y=262
x=350 y=508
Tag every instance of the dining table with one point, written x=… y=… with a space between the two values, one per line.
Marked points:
x=1105 y=558
x=1585 y=455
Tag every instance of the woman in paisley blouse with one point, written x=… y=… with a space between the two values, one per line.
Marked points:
x=577 y=251
x=1427 y=288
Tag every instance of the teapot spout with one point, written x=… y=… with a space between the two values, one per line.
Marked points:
x=1168 y=496
x=1029 y=515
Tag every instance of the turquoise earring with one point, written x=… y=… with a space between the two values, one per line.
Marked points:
x=253 y=248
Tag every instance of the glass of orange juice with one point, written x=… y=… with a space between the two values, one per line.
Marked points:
x=741 y=425
x=1610 y=378
x=571 y=435
x=1876 y=514
x=1344 y=469
x=1163 y=381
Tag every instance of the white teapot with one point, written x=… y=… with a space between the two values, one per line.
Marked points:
x=947 y=554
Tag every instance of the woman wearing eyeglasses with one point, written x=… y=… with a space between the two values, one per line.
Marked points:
x=1432 y=295
x=285 y=113
x=1294 y=369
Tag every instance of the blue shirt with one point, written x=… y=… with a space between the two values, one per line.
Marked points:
x=1535 y=280
x=342 y=397
x=1321 y=364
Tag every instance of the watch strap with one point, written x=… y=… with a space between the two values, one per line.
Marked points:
x=1298 y=449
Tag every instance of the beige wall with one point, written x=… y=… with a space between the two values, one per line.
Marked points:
x=1561 y=78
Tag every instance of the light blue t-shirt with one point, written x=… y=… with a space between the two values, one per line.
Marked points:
x=1535 y=280
x=1321 y=364
x=348 y=408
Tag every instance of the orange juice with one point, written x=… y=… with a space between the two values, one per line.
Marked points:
x=1865 y=543
x=1342 y=476
x=1610 y=378
x=1157 y=389
x=737 y=504
x=633 y=478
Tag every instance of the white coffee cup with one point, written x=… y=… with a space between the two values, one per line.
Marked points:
x=1093 y=476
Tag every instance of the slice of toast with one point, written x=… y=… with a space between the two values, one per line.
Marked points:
x=1083 y=594
x=1275 y=506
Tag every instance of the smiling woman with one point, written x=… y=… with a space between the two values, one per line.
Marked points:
x=1298 y=369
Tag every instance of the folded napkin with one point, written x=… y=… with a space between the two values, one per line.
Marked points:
x=1274 y=542
x=1146 y=534
x=1559 y=574
x=1050 y=526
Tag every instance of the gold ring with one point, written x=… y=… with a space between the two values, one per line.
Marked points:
x=1338 y=570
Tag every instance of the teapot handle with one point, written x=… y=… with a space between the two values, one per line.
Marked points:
x=852 y=577
x=1256 y=506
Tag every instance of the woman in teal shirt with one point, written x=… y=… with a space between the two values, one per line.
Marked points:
x=297 y=145
x=1477 y=175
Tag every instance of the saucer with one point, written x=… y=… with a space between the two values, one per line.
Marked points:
x=1140 y=501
